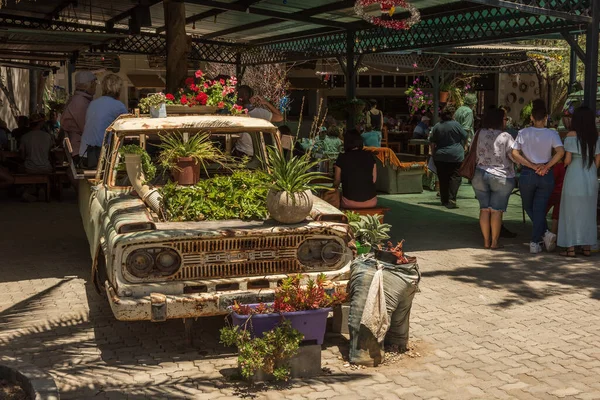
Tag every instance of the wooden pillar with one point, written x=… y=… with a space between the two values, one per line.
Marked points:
x=573 y=68
x=436 y=96
x=178 y=44
x=350 y=79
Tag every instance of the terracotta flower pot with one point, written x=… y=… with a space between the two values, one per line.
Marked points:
x=284 y=209
x=444 y=97
x=186 y=171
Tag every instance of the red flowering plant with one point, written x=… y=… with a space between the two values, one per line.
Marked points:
x=293 y=296
x=199 y=91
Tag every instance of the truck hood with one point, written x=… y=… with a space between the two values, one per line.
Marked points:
x=129 y=215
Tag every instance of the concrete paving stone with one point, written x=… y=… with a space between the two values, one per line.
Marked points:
x=566 y=392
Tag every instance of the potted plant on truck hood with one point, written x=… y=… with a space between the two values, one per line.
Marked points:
x=185 y=157
x=289 y=200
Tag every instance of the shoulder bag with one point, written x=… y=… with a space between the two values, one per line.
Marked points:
x=467 y=168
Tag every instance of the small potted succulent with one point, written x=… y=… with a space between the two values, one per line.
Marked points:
x=155 y=104
x=369 y=232
x=305 y=306
x=289 y=200
x=186 y=157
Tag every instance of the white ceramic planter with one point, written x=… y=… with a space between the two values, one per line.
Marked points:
x=283 y=208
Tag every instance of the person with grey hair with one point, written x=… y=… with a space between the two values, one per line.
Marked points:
x=101 y=113
x=72 y=120
x=464 y=116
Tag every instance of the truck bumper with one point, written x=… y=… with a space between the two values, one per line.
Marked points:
x=159 y=307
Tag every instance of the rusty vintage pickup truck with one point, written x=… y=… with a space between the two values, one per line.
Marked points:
x=154 y=270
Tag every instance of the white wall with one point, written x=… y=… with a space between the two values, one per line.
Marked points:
x=506 y=83
x=20 y=85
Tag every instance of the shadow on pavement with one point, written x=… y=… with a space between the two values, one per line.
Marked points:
x=527 y=277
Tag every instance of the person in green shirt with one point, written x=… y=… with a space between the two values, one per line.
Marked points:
x=464 y=116
x=331 y=145
x=448 y=139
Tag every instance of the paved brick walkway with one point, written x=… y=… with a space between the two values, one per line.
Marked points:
x=486 y=324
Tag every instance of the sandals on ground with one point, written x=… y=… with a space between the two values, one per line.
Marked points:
x=567 y=253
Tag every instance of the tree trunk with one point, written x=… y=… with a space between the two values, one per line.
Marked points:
x=542 y=76
x=178 y=44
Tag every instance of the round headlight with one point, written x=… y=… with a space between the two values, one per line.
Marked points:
x=140 y=263
x=320 y=253
x=332 y=252
x=168 y=261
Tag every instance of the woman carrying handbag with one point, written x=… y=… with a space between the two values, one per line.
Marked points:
x=492 y=173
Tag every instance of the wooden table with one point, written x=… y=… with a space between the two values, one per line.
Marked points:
x=397 y=140
x=421 y=146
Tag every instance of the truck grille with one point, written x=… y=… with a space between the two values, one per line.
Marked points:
x=237 y=257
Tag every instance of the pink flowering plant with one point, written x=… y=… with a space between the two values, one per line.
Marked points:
x=199 y=91
x=419 y=102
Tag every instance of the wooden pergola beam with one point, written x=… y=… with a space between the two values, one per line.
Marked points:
x=298 y=17
x=210 y=13
x=272 y=21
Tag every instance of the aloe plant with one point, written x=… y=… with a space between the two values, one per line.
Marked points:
x=198 y=147
x=291 y=175
x=369 y=230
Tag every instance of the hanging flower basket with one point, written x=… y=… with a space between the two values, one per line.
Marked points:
x=444 y=97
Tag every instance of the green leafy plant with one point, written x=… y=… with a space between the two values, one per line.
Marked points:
x=241 y=195
x=447 y=87
x=271 y=353
x=199 y=147
x=291 y=175
x=147 y=166
x=369 y=230
x=526 y=114
x=150 y=101
x=352 y=216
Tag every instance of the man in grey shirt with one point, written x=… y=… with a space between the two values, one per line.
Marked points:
x=35 y=147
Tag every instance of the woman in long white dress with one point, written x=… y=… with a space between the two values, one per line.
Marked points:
x=577 y=222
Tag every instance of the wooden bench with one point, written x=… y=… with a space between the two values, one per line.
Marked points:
x=34 y=179
x=370 y=211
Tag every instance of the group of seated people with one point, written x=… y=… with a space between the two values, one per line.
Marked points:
x=35 y=136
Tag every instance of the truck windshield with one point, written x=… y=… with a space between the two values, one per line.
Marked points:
x=158 y=174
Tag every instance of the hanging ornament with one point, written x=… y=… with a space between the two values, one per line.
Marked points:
x=389 y=7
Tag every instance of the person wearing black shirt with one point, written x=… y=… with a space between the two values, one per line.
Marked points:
x=355 y=169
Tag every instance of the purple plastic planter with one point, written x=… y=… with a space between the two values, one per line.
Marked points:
x=311 y=323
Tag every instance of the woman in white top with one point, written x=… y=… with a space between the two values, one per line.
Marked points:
x=494 y=178
x=533 y=150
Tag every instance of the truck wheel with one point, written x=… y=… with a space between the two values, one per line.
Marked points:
x=100 y=275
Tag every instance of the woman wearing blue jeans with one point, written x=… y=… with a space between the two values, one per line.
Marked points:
x=494 y=178
x=533 y=150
